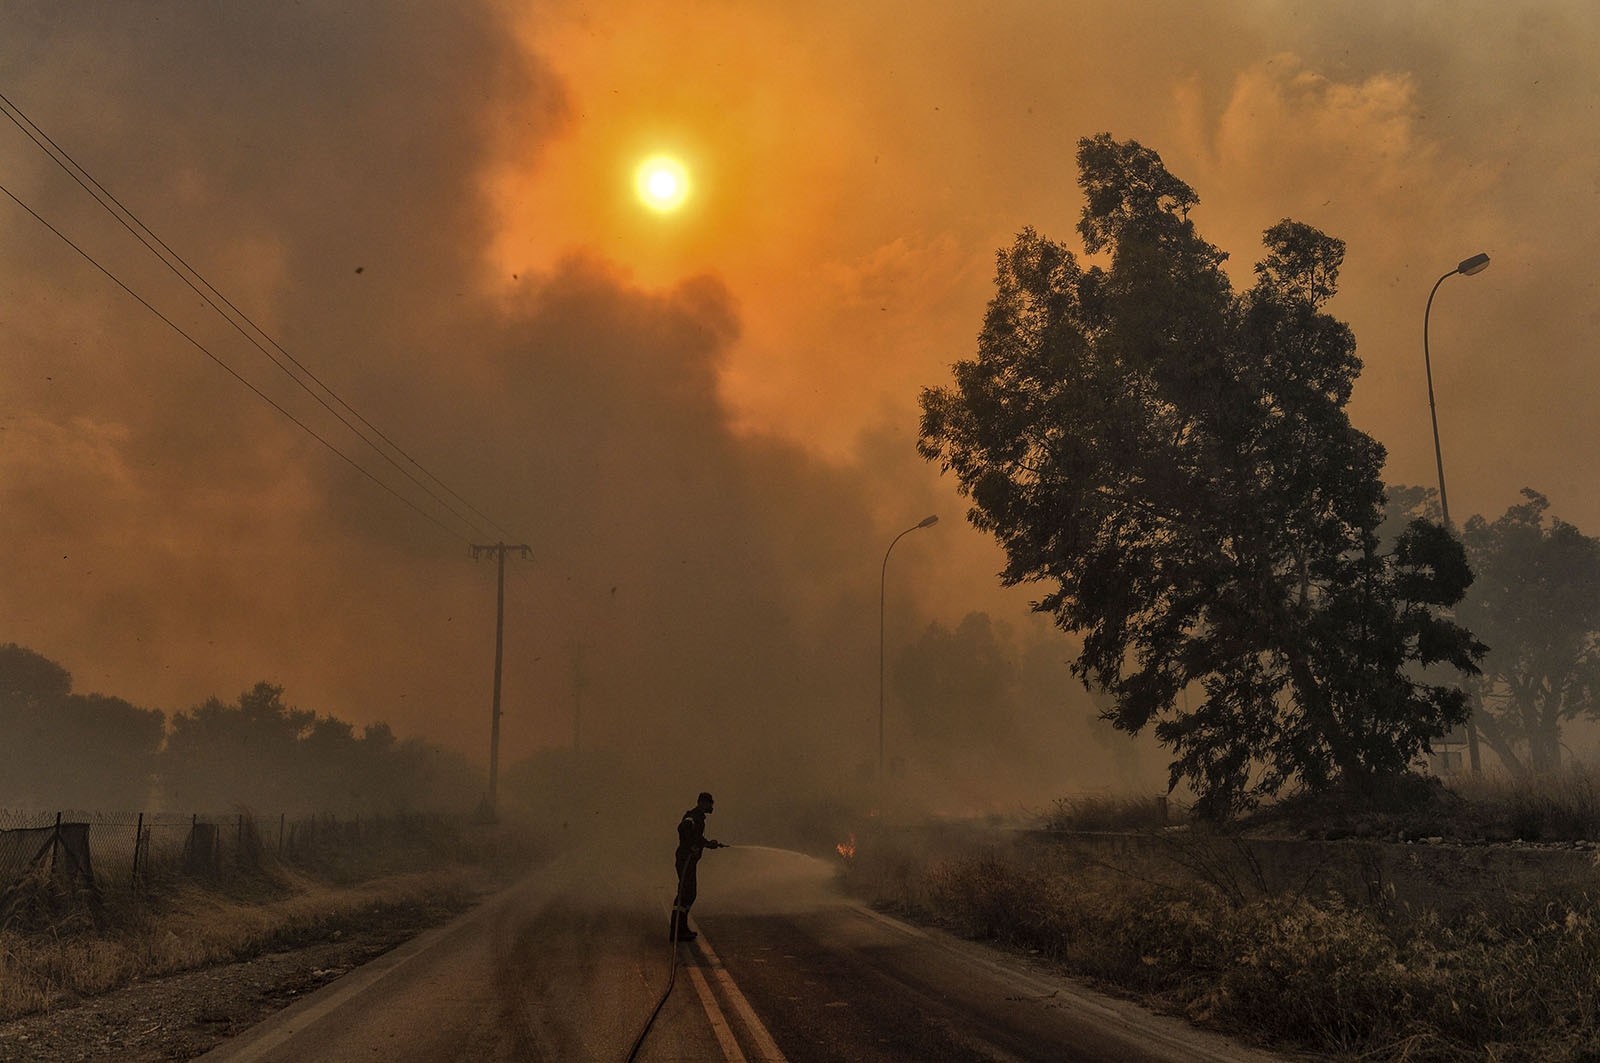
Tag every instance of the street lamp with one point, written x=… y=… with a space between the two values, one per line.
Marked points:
x=883 y=576
x=1476 y=264
x=1467 y=267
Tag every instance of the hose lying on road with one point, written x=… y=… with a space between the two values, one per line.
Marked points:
x=633 y=1053
x=672 y=975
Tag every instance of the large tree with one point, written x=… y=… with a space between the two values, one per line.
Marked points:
x=958 y=688
x=1536 y=602
x=64 y=750
x=247 y=753
x=1174 y=461
x=264 y=754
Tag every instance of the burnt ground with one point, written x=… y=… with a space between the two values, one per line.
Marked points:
x=184 y=1015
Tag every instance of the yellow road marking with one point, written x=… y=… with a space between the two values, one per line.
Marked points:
x=766 y=1048
x=719 y=1024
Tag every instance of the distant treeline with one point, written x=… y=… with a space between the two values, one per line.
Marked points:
x=92 y=751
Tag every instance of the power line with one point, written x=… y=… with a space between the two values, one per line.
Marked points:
x=172 y=260
x=203 y=349
x=101 y=195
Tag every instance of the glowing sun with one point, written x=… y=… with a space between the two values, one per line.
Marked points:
x=662 y=183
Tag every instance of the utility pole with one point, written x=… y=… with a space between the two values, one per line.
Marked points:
x=579 y=681
x=499 y=552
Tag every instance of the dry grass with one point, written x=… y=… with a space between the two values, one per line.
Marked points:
x=59 y=944
x=1518 y=980
x=1110 y=813
x=82 y=952
x=1559 y=806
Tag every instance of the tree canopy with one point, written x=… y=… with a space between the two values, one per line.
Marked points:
x=263 y=753
x=959 y=687
x=1172 y=460
x=31 y=679
x=1536 y=602
x=94 y=752
x=69 y=750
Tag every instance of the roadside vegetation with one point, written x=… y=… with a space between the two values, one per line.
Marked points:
x=65 y=749
x=1199 y=922
x=1170 y=460
x=374 y=843
x=59 y=944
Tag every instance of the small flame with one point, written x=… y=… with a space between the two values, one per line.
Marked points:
x=847 y=849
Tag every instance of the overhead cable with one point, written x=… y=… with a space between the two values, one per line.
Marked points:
x=203 y=349
x=234 y=316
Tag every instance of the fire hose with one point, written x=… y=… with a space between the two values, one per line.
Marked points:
x=678 y=921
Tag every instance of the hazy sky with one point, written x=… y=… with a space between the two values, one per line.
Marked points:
x=703 y=422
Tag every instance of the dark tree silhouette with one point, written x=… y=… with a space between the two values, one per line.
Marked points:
x=1536 y=602
x=31 y=679
x=264 y=754
x=219 y=755
x=64 y=750
x=1173 y=460
x=958 y=688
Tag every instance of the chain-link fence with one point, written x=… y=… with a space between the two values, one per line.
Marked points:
x=125 y=852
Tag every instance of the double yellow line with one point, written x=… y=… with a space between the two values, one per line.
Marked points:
x=756 y=1033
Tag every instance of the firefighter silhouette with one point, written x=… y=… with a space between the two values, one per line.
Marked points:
x=692 y=841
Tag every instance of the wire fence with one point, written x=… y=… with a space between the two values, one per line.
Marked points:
x=96 y=853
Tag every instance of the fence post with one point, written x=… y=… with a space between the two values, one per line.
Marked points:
x=138 y=839
x=55 y=843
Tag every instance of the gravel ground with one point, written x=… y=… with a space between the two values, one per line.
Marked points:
x=184 y=1015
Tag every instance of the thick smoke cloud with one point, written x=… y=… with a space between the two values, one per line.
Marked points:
x=707 y=593
x=703 y=429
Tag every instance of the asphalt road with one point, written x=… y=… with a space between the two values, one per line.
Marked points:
x=570 y=964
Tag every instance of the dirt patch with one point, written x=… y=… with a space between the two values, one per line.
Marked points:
x=184 y=1015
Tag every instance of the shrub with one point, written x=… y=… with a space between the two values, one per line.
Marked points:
x=1561 y=806
x=1518 y=983
x=1099 y=813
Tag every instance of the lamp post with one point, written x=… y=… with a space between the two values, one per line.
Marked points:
x=1476 y=264
x=1466 y=267
x=883 y=577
